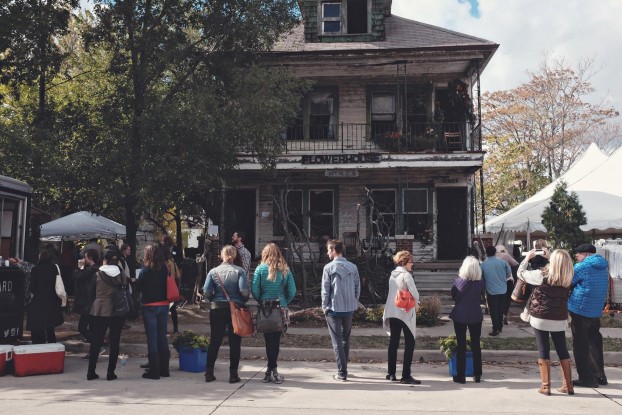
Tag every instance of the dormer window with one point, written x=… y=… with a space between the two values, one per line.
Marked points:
x=345 y=17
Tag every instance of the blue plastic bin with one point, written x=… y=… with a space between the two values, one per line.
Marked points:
x=192 y=360
x=453 y=364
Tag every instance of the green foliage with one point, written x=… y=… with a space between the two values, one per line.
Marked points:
x=449 y=344
x=189 y=338
x=563 y=218
x=374 y=314
x=428 y=311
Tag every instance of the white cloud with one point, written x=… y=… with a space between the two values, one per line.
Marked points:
x=527 y=30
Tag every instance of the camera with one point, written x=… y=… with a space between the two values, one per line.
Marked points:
x=540 y=252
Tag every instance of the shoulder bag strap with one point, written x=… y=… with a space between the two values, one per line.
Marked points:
x=222 y=286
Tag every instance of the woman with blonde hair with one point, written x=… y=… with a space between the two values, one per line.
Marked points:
x=395 y=319
x=234 y=280
x=467 y=292
x=273 y=281
x=547 y=312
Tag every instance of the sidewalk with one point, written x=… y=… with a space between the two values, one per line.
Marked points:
x=200 y=323
x=308 y=390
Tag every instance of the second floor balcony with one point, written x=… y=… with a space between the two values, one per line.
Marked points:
x=382 y=137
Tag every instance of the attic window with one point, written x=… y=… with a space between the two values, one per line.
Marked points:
x=344 y=17
x=331 y=17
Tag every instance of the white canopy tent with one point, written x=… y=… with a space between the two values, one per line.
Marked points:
x=81 y=225
x=595 y=179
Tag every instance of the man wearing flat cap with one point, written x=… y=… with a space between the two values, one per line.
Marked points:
x=586 y=302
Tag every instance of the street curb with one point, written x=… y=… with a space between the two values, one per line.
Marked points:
x=356 y=355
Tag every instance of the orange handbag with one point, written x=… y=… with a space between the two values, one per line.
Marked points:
x=404 y=300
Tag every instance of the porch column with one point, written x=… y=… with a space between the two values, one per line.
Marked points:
x=214 y=252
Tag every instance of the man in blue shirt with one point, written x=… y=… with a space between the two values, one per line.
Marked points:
x=341 y=287
x=586 y=302
x=495 y=273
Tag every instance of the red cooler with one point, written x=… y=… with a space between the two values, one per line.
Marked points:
x=39 y=359
x=6 y=354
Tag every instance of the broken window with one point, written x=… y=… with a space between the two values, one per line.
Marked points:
x=415 y=209
x=383 y=215
x=321 y=213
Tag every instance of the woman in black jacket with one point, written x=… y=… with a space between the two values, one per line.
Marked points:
x=45 y=310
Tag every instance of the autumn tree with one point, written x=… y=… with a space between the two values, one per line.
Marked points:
x=563 y=218
x=533 y=133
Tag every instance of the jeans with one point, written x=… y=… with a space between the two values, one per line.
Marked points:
x=220 y=320
x=155 y=319
x=587 y=346
x=99 y=326
x=496 y=304
x=339 y=329
x=544 y=347
x=273 y=344
x=475 y=331
x=396 y=325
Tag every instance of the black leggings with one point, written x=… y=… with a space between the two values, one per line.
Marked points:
x=273 y=344
x=397 y=326
x=544 y=347
x=220 y=320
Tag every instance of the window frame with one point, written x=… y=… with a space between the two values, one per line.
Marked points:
x=392 y=232
x=324 y=19
x=297 y=132
x=342 y=19
x=331 y=214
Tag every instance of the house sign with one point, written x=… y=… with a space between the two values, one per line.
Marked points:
x=342 y=173
x=341 y=158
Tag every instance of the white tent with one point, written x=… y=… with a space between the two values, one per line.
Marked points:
x=593 y=177
x=81 y=225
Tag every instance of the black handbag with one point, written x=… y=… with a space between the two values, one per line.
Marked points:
x=269 y=318
x=122 y=301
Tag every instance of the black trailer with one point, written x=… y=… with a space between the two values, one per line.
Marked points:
x=15 y=197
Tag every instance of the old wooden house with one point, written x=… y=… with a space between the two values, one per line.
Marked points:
x=387 y=145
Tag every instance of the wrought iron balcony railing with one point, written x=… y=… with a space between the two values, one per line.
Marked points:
x=383 y=137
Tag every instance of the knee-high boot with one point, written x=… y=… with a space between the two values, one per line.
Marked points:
x=154 y=367
x=566 y=365
x=545 y=376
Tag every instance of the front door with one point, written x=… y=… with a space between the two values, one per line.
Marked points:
x=451 y=224
x=240 y=215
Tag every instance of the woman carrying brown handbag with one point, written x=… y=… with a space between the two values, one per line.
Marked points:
x=236 y=286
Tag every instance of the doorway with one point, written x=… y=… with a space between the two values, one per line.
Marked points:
x=240 y=215
x=451 y=224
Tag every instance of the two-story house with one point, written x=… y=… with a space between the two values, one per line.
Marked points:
x=387 y=143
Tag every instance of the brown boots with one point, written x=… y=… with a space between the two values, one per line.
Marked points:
x=567 y=387
x=545 y=376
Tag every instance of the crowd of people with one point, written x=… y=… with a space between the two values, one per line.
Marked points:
x=561 y=295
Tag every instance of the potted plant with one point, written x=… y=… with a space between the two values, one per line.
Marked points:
x=192 y=350
x=448 y=346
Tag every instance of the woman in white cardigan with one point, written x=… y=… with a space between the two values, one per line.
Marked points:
x=397 y=319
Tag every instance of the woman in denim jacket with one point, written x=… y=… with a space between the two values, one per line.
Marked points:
x=236 y=285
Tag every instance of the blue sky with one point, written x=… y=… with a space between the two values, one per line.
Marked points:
x=529 y=30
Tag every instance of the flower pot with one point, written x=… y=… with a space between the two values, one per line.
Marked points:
x=453 y=364
x=192 y=360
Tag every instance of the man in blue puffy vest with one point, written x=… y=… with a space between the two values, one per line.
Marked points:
x=586 y=302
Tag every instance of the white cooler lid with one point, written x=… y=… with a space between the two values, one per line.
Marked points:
x=6 y=348
x=39 y=348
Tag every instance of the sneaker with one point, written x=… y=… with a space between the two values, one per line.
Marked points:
x=340 y=378
x=392 y=378
x=277 y=377
x=584 y=384
x=602 y=380
x=493 y=333
x=267 y=377
x=102 y=351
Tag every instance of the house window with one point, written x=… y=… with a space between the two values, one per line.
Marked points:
x=311 y=210
x=345 y=17
x=384 y=213
x=383 y=117
x=321 y=213
x=415 y=209
x=317 y=118
x=321 y=116
x=331 y=18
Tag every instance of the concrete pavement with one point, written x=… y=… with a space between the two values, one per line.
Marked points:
x=308 y=390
